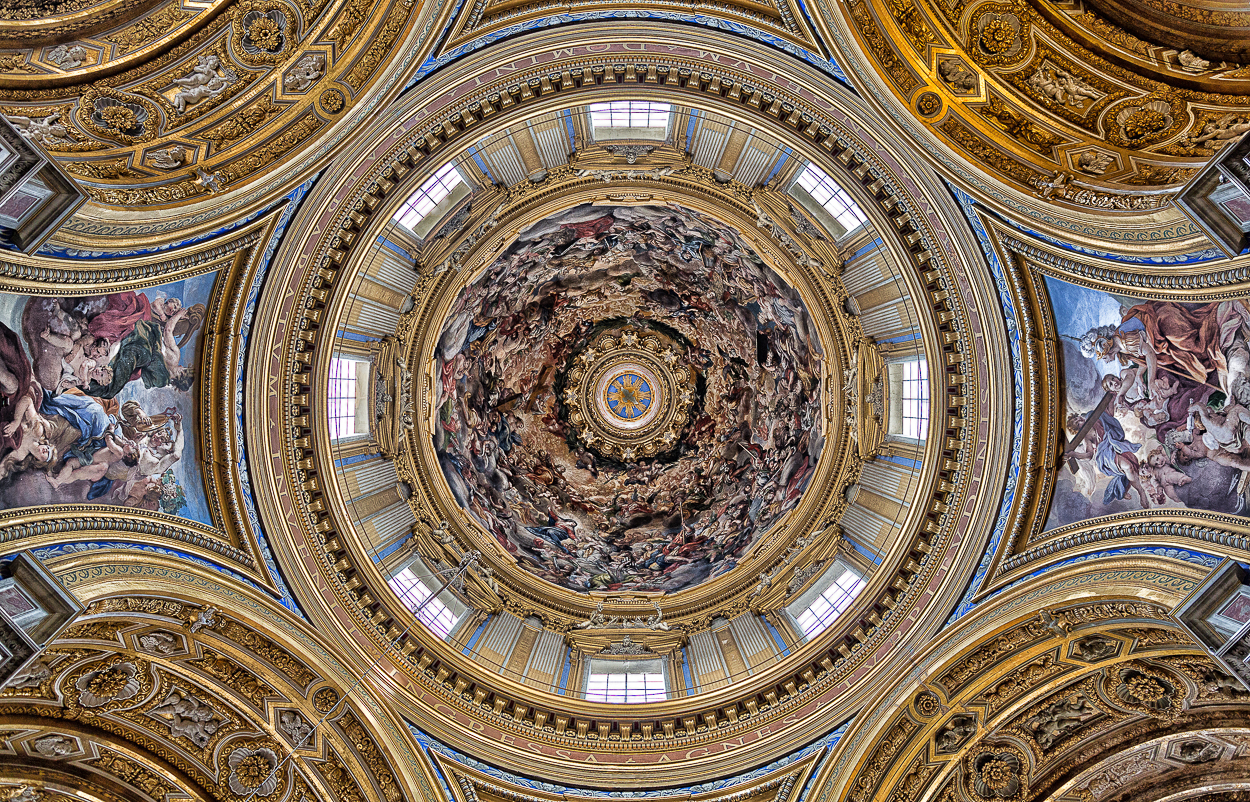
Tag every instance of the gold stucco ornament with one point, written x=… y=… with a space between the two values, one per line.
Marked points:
x=252 y=771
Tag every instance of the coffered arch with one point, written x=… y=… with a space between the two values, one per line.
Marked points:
x=1057 y=704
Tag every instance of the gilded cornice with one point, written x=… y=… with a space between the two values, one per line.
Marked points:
x=507 y=714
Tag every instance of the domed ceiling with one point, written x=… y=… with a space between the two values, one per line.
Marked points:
x=638 y=399
x=629 y=398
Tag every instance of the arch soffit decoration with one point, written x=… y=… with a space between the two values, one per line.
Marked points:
x=1017 y=126
x=342 y=213
x=151 y=692
x=1063 y=693
x=207 y=116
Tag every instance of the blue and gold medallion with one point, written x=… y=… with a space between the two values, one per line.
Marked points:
x=629 y=396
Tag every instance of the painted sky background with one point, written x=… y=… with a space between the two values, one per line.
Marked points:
x=197 y=289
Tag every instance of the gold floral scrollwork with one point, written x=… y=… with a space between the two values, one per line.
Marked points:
x=119 y=116
x=999 y=34
x=1145 y=689
x=106 y=685
x=263 y=31
x=252 y=770
x=1141 y=122
x=997 y=774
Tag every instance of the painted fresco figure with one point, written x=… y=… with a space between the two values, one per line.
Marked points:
x=150 y=352
x=502 y=439
x=70 y=431
x=1112 y=454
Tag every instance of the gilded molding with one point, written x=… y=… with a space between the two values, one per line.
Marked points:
x=352 y=225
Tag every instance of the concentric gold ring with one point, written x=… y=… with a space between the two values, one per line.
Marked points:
x=607 y=406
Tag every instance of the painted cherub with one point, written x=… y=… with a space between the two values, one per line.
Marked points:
x=1129 y=395
x=1164 y=478
x=113 y=461
x=80 y=356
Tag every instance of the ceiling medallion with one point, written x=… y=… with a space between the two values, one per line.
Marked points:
x=628 y=394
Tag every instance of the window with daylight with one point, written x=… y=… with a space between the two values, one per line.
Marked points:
x=831 y=197
x=630 y=119
x=629 y=114
x=348 y=379
x=422 y=202
x=909 y=398
x=437 y=616
x=816 y=609
x=625 y=682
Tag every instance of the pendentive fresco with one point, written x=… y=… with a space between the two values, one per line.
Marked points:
x=99 y=399
x=1158 y=401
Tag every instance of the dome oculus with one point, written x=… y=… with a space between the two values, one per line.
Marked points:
x=628 y=398
x=628 y=395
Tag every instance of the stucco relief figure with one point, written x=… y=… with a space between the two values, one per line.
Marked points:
x=294 y=725
x=208 y=78
x=1063 y=87
x=957 y=74
x=189 y=717
x=158 y=642
x=170 y=158
x=47 y=131
x=1227 y=128
x=68 y=57
x=305 y=72
x=564 y=510
x=1058 y=720
x=95 y=390
x=1159 y=404
x=55 y=746
x=1094 y=162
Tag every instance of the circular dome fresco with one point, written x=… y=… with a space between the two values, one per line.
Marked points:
x=628 y=398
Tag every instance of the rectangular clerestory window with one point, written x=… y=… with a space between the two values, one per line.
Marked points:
x=832 y=198
x=630 y=119
x=423 y=200
x=625 y=681
x=909 y=398
x=348 y=394
x=828 y=598
x=413 y=592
